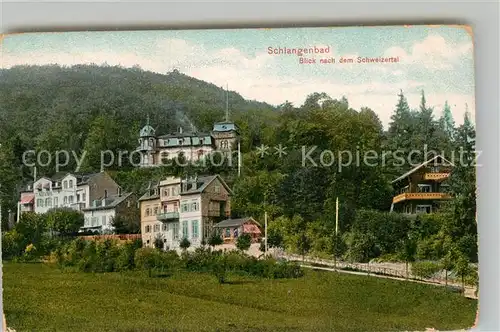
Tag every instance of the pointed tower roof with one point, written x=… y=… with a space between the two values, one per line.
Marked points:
x=147 y=130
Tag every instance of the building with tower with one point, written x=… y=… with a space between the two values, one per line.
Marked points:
x=193 y=146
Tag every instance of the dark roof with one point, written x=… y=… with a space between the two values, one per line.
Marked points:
x=110 y=202
x=192 y=134
x=235 y=222
x=202 y=183
x=413 y=170
x=149 y=194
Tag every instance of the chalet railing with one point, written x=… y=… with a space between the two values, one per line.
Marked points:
x=430 y=196
x=436 y=176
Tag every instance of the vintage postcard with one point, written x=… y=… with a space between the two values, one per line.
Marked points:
x=292 y=179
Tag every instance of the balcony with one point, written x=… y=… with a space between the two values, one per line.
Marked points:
x=420 y=196
x=436 y=176
x=168 y=216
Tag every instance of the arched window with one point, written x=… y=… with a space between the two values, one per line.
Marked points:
x=71 y=183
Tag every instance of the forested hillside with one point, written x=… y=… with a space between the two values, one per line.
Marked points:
x=95 y=108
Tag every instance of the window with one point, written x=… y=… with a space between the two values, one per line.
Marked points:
x=184 y=207
x=408 y=208
x=164 y=227
x=39 y=202
x=48 y=202
x=104 y=220
x=194 y=206
x=56 y=201
x=77 y=197
x=175 y=231
x=228 y=232
x=129 y=204
x=195 y=229
x=148 y=212
x=166 y=192
x=147 y=229
x=94 y=221
x=217 y=189
x=423 y=209
x=157 y=227
x=84 y=197
x=71 y=183
x=65 y=200
x=65 y=184
x=185 y=229
x=70 y=199
x=155 y=210
x=424 y=188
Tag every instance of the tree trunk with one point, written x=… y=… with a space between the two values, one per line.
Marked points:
x=446 y=277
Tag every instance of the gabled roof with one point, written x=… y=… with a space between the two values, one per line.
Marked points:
x=235 y=222
x=203 y=182
x=110 y=202
x=413 y=170
x=148 y=195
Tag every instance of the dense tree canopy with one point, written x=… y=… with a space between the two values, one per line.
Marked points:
x=296 y=160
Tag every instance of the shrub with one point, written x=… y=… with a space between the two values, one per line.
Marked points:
x=243 y=242
x=425 y=269
x=146 y=259
x=185 y=244
x=215 y=240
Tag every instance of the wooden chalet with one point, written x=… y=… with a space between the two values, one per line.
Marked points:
x=423 y=188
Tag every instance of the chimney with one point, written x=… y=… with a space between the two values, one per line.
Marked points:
x=194 y=182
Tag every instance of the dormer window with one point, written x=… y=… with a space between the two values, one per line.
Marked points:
x=71 y=183
x=65 y=184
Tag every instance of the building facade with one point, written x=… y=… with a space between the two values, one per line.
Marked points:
x=176 y=209
x=99 y=216
x=72 y=190
x=422 y=189
x=156 y=150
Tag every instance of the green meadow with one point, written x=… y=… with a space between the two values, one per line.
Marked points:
x=39 y=297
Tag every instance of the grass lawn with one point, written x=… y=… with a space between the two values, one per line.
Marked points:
x=38 y=297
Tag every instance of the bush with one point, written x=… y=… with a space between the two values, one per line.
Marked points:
x=215 y=240
x=185 y=244
x=244 y=242
x=146 y=259
x=424 y=269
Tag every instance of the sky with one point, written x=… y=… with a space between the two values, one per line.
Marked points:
x=437 y=59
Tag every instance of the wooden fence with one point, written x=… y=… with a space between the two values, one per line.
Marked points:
x=368 y=268
x=119 y=237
